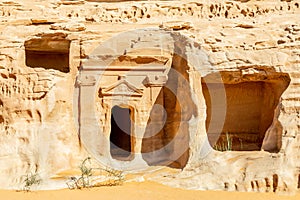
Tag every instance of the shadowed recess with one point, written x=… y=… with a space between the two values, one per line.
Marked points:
x=250 y=107
x=120 y=135
x=50 y=51
x=169 y=145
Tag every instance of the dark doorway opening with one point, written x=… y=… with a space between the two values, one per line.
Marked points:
x=120 y=135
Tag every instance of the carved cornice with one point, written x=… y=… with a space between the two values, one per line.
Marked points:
x=121 y=88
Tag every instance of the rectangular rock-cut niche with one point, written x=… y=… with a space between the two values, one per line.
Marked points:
x=49 y=51
x=247 y=113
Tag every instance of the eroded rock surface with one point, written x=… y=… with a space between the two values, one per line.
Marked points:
x=49 y=59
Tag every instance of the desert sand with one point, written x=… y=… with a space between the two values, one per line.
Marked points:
x=141 y=190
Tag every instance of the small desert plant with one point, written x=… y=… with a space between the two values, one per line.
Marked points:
x=241 y=144
x=84 y=180
x=30 y=180
x=225 y=146
x=115 y=177
x=86 y=172
x=229 y=142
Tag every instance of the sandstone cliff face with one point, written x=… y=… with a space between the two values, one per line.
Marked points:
x=51 y=81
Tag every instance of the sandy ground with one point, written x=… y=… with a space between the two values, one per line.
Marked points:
x=140 y=191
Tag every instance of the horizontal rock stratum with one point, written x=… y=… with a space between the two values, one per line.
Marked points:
x=211 y=88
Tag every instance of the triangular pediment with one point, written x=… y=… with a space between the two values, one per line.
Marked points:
x=121 y=88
